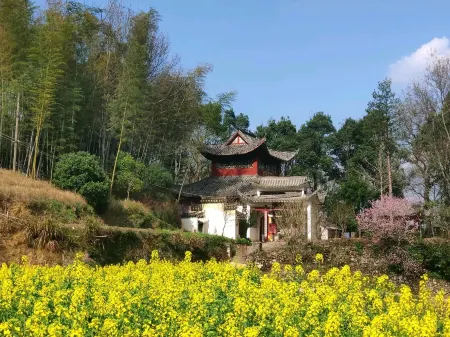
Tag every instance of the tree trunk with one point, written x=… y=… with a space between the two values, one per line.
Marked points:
x=30 y=152
x=52 y=163
x=36 y=149
x=118 y=151
x=426 y=190
x=380 y=169
x=16 y=134
x=2 y=106
x=389 y=168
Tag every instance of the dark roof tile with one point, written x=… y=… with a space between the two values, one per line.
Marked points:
x=232 y=186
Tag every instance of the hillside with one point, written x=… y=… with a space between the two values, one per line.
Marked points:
x=50 y=225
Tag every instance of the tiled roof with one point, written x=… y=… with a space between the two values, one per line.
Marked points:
x=283 y=155
x=233 y=186
x=219 y=186
x=232 y=150
x=282 y=197
x=275 y=182
x=245 y=136
x=277 y=198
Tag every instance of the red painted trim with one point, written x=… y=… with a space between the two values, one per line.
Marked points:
x=266 y=225
x=267 y=209
x=249 y=171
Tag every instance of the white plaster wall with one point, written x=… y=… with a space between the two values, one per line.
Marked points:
x=309 y=221
x=253 y=233
x=205 y=227
x=220 y=221
x=324 y=233
x=316 y=227
x=189 y=224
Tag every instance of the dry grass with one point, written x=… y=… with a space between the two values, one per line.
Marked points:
x=15 y=187
x=135 y=206
x=14 y=246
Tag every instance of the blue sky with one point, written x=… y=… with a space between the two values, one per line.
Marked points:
x=293 y=58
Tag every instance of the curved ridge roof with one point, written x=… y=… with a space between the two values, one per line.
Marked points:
x=230 y=149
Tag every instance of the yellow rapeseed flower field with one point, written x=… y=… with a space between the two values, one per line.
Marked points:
x=161 y=298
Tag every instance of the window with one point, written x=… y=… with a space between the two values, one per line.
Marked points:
x=235 y=164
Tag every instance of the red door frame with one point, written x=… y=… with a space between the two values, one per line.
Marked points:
x=266 y=211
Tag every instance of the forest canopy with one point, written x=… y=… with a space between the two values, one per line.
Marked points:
x=102 y=80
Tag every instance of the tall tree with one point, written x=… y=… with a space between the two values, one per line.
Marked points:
x=346 y=143
x=5 y=79
x=313 y=159
x=46 y=61
x=281 y=135
x=379 y=127
x=16 y=31
x=128 y=104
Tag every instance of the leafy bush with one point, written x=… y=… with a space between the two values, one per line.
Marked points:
x=157 y=181
x=435 y=256
x=76 y=169
x=96 y=194
x=125 y=244
x=60 y=211
x=243 y=241
x=130 y=213
x=81 y=172
x=168 y=213
x=126 y=213
x=129 y=174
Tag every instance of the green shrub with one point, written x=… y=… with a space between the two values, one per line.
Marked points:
x=243 y=241
x=119 y=246
x=81 y=172
x=435 y=256
x=168 y=216
x=157 y=181
x=59 y=211
x=130 y=213
x=359 y=247
x=76 y=169
x=138 y=215
x=129 y=174
x=96 y=194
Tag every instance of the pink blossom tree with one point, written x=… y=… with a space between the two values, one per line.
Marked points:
x=389 y=217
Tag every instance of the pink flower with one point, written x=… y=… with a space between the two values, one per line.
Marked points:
x=389 y=217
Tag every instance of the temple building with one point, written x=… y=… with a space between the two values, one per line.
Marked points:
x=245 y=191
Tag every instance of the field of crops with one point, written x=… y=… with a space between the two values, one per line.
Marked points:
x=160 y=298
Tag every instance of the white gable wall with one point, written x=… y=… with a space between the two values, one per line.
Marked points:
x=189 y=224
x=220 y=221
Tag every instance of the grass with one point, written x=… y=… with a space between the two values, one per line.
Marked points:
x=16 y=187
x=130 y=213
x=50 y=225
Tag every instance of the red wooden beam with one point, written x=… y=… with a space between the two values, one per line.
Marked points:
x=267 y=209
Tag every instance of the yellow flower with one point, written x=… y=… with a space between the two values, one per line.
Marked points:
x=319 y=258
x=162 y=298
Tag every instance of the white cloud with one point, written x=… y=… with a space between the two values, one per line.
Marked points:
x=413 y=66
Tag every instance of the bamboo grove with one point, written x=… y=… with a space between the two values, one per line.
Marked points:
x=101 y=80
